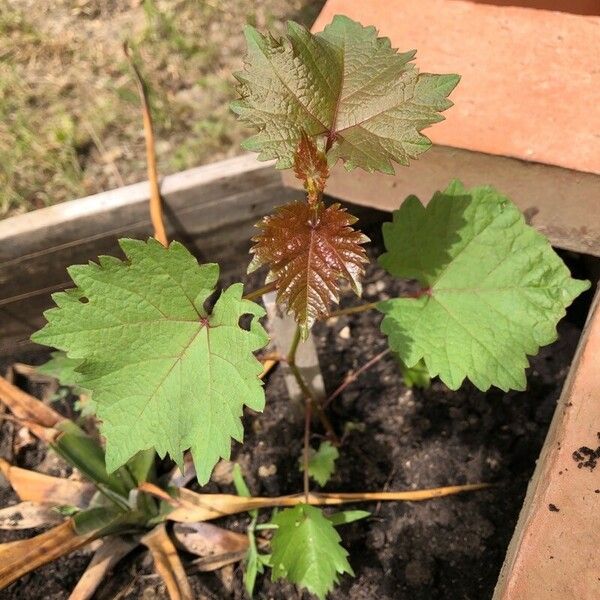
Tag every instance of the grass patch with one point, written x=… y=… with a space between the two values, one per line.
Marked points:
x=70 y=122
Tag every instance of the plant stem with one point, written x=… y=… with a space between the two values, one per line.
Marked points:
x=308 y=393
x=291 y=357
x=260 y=291
x=353 y=309
x=156 y=213
x=352 y=376
x=305 y=457
x=426 y=291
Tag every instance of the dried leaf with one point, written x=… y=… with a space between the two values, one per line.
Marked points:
x=190 y=507
x=27 y=515
x=26 y=407
x=112 y=550
x=209 y=541
x=45 y=489
x=180 y=479
x=268 y=365
x=22 y=439
x=309 y=249
x=168 y=563
x=24 y=556
x=310 y=166
x=207 y=564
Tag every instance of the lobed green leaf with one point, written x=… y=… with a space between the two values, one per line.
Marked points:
x=493 y=288
x=163 y=371
x=306 y=550
x=345 y=86
x=321 y=463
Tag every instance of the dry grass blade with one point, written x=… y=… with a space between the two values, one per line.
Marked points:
x=45 y=489
x=156 y=212
x=24 y=556
x=27 y=515
x=26 y=407
x=112 y=550
x=168 y=563
x=190 y=507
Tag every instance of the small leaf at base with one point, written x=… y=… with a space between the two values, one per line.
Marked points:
x=306 y=550
x=321 y=464
x=416 y=376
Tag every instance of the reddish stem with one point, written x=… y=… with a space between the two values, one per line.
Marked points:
x=352 y=376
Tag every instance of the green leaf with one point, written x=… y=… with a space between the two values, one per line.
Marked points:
x=306 y=550
x=346 y=87
x=85 y=453
x=142 y=466
x=107 y=520
x=164 y=372
x=321 y=464
x=417 y=376
x=493 y=288
x=241 y=489
x=347 y=516
x=62 y=368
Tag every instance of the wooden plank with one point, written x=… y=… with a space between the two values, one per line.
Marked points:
x=562 y=204
x=212 y=209
x=554 y=554
x=529 y=78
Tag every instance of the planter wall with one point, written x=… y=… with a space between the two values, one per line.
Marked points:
x=554 y=551
x=521 y=122
x=212 y=209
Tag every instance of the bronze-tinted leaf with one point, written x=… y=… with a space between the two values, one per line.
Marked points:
x=310 y=166
x=309 y=249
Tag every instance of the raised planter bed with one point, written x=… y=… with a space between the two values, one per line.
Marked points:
x=518 y=65
x=412 y=438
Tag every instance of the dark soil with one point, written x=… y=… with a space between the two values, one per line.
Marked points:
x=397 y=439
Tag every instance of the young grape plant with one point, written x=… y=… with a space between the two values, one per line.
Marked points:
x=164 y=371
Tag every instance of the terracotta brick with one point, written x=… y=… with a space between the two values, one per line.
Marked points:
x=530 y=85
x=554 y=552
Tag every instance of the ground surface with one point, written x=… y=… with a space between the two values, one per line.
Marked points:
x=70 y=122
x=396 y=439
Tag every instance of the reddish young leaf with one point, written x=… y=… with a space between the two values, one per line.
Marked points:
x=310 y=166
x=309 y=249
